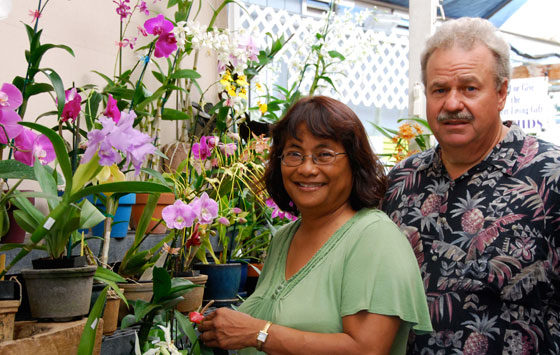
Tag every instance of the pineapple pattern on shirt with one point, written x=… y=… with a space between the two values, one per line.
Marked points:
x=488 y=246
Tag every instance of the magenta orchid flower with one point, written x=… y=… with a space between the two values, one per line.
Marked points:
x=24 y=146
x=29 y=146
x=207 y=207
x=43 y=149
x=123 y=10
x=10 y=99
x=72 y=106
x=158 y=25
x=144 y=8
x=201 y=150
x=112 y=110
x=212 y=141
x=277 y=212
x=165 y=45
x=179 y=215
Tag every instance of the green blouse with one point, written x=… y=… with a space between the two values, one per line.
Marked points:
x=368 y=264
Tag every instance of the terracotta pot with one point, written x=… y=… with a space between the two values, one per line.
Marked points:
x=165 y=199
x=193 y=298
x=134 y=291
x=111 y=312
x=176 y=152
x=8 y=310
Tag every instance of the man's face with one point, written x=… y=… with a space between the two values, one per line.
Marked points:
x=461 y=91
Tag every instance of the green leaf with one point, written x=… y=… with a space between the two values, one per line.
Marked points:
x=87 y=341
x=159 y=76
x=186 y=326
x=335 y=54
x=58 y=88
x=37 y=88
x=91 y=108
x=37 y=53
x=47 y=183
x=121 y=186
x=170 y=114
x=162 y=284
x=107 y=79
x=90 y=216
x=128 y=321
x=13 y=169
x=185 y=74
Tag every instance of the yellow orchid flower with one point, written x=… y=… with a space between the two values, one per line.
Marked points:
x=109 y=174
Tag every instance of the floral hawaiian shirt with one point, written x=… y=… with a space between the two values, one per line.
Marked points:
x=488 y=246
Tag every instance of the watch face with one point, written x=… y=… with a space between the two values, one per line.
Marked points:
x=262 y=336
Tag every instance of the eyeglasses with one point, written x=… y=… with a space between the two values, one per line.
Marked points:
x=324 y=157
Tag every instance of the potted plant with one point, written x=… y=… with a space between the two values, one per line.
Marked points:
x=66 y=214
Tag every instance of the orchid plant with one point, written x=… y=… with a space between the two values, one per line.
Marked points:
x=69 y=212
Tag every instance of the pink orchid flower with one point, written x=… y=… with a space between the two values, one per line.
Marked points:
x=10 y=99
x=29 y=145
x=201 y=150
x=112 y=110
x=72 y=106
x=207 y=207
x=165 y=45
x=158 y=25
x=179 y=215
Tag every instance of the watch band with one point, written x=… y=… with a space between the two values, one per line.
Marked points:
x=263 y=334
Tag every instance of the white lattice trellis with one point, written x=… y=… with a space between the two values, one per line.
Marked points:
x=379 y=79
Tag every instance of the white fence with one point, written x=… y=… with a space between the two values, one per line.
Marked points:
x=379 y=79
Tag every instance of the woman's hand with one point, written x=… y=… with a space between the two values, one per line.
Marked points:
x=228 y=329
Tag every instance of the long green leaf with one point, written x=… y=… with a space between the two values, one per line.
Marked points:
x=185 y=74
x=121 y=186
x=13 y=169
x=58 y=88
x=90 y=216
x=87 y=341
x=170 y=114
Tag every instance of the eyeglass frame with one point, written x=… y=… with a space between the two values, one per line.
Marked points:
x=313 y=158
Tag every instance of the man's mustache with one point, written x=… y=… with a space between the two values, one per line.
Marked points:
x=464 y=115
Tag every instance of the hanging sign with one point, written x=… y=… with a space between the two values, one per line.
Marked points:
x=528 y=104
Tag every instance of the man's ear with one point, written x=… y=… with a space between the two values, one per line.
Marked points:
x=502 y=94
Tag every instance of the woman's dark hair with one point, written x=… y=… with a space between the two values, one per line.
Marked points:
x=331 y=119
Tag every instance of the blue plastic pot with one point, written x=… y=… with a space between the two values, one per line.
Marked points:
x=119 y=228
x=223 y=281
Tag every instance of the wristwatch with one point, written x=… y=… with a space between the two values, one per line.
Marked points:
x=263 y=334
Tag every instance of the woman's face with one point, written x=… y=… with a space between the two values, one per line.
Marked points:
x=317 y=189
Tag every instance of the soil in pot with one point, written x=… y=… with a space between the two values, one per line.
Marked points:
x=60 y=263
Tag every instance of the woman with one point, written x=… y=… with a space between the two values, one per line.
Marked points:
x=342 y=279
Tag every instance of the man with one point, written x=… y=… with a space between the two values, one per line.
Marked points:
x=481 y=209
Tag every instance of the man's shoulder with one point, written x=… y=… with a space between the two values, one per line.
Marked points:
x=416 y=162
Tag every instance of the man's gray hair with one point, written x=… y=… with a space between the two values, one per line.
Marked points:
x=467 y=32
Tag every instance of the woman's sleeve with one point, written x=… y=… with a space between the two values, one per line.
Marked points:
x=381 y=275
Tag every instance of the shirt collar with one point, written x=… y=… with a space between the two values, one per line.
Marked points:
x=503 y=157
